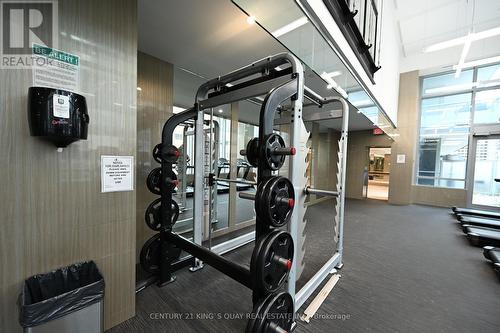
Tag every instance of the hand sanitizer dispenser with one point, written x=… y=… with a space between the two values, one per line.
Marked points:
x=58 y=116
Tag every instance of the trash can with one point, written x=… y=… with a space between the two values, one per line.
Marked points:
x=69 y=299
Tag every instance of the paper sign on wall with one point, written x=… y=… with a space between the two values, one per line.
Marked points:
x=401 y=158
x=55 y=69
x=117 y=173
x=60 y=106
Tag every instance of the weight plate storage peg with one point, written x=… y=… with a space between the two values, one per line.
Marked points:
x=276 y=201
x=150 y=254
x=153 y=214
x=272 y=260
x=274 y=313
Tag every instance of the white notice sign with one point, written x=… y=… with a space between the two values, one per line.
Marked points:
x=401 y=158
x=60 y=106
x=117 y=173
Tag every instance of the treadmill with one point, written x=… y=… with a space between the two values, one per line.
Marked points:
x=223 y=186
x=223 y=163
x=476 y=212
x=482 y=236
x=493 y=254
x=478 y=221
x=241 y=164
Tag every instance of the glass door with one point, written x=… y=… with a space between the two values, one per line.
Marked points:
x=484 y=189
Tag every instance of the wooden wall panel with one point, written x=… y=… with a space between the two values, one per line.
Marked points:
x=52 y=212
x=154 y=107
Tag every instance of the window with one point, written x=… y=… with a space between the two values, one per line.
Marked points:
x=487 y=107
x=449 y=107
x=444 y=133
x=245 y=133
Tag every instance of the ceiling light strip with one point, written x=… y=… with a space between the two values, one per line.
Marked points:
x=290 y=27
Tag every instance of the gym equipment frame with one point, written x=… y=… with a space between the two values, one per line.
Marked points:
x=278 y=86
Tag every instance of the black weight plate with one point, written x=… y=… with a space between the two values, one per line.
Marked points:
x=151 y=251
x=256 y=313
x=156 y=153
x=153 y=181
x=272 y=142
x=171 y=155
x=255 y=258
x=274 y=212
x=150 y=254
x=270 y=274
x=253 y=152
x=278 y=311
x=261 y=189
x=153 y=214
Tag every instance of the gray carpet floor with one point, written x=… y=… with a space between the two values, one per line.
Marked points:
x=407 y=269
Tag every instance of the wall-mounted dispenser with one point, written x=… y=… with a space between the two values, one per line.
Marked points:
x=58 y=116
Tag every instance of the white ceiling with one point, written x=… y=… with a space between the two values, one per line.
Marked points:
x=211 y=38
x=426 y=22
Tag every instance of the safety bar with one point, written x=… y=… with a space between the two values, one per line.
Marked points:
x=310 y=190
x=235 y=271
x=320 y=100
x=248 y=196
x=237 y=181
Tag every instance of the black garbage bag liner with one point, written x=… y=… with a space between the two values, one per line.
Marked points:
x=52 y=295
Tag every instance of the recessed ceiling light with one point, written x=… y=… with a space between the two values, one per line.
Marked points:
x=250 y=20
x=220 y=110
x=139 y=89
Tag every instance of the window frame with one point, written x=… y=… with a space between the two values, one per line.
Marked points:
x=473 y=90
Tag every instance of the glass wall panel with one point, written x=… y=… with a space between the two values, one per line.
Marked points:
x=444 y=130
x=487 y=107
x=289 y=24
x=447 y=83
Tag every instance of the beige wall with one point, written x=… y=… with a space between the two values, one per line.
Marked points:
x=52 y=212
x=401 y=188
x=154 y=107
x=438 y=196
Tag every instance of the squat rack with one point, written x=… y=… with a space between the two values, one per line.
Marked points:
x=277 y=85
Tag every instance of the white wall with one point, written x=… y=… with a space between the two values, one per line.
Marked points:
x=386 y=87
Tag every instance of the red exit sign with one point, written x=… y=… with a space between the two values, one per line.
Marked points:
x=377 y=131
